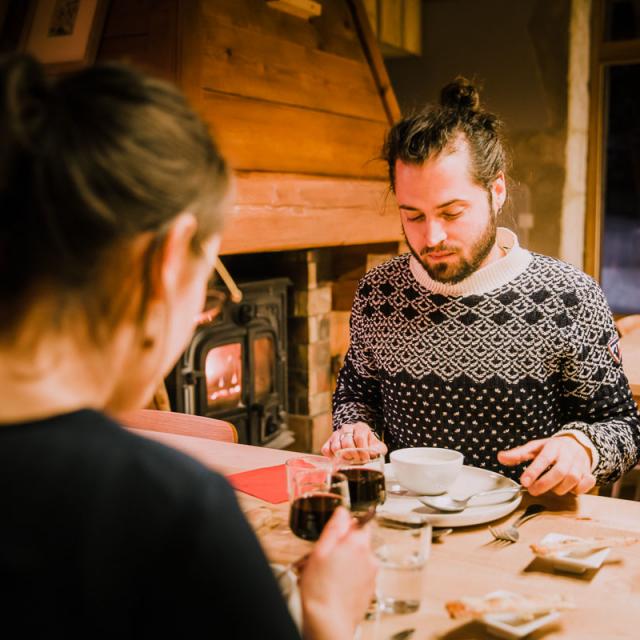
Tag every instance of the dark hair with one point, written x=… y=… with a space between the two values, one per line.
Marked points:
x=435 y=129
x=89 y=162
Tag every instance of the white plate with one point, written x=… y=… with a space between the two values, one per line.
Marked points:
x=471 y=480
x=512 y=625
x=565 y=561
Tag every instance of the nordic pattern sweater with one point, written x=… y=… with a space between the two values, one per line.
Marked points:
x=524 y=348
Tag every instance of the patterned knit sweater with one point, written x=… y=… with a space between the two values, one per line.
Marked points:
x=522 y=349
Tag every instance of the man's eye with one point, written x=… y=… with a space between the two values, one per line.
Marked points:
x=416 y=218
x=452 y=215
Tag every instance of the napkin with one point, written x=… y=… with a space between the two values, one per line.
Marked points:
x=268 y=483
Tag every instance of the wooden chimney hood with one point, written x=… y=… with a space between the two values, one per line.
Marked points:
x=299 y=107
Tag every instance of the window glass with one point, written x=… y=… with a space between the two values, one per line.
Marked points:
x=620 y=276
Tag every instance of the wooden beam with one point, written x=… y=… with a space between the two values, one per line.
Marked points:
x=241 y=60
x=375 y=59
x=276 y=212
x=304 y=9
x=260 y=135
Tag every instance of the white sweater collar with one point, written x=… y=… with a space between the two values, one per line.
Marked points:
x=483 y=280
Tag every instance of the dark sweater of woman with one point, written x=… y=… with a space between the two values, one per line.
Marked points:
x=107 y=534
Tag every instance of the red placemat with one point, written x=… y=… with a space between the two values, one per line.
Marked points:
x=268 y=483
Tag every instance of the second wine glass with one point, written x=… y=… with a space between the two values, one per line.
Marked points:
x=364 y=469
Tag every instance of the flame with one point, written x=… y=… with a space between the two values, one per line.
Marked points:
x=223 y=369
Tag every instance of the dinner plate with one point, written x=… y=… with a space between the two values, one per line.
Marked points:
x=471 y=480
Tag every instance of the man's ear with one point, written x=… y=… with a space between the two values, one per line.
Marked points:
x=176 y=253
x=499 y=191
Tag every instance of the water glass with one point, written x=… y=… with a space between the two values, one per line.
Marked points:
x=402 y=544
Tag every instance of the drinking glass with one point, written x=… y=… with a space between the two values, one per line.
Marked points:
x=314 y=496
x=340 y=485
x=402 y=544
x=364 y=469
x=322 y=466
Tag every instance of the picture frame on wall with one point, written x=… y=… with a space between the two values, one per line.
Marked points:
x=64 y=34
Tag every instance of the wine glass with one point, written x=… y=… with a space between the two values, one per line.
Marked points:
x=364 y=468
x=314 y=496
x=294 y=466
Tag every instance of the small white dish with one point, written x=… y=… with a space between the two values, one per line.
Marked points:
x=573 y=563
x=512 y=625
x=515 y=625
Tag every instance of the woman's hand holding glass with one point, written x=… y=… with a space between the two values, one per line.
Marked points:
x=318 y=496
x=338 y=580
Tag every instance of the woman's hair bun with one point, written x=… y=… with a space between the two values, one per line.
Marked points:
x=24 y=94
x=460 y=95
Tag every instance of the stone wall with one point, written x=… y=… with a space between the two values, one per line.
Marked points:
x=323 y=283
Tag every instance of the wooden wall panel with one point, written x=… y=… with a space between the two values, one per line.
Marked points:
x=279 y=212
x=264 y=66
x=265 y=136
x=333 y=32
x=300 y=109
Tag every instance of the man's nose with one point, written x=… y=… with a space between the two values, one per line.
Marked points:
x=434 y=233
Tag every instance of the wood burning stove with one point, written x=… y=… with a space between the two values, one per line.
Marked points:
x=235 y=367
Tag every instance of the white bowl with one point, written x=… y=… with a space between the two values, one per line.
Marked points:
x=426 y=470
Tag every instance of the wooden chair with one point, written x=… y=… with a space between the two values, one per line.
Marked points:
x=628 y=324
x=179 y=423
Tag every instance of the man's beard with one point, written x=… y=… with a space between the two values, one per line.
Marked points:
x=448 y=273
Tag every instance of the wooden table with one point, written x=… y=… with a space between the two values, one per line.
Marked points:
x=466 y=563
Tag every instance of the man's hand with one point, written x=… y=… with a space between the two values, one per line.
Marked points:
x=358 y=434
x=560 y=464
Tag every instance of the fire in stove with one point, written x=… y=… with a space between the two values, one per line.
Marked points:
x=223 y=369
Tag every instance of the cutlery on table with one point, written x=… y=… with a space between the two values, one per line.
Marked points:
x=511 y=533
x=440 y=532
x=454 y=505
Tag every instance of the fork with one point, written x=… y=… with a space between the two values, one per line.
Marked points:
x=511 y=533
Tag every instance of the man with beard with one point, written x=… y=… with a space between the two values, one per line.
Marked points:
x=469 y=341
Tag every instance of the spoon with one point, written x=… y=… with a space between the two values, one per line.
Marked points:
x=454 y=505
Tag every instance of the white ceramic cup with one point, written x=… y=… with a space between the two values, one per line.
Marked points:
x=426 y=470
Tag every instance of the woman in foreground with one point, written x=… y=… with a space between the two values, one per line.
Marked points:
x=112 y=197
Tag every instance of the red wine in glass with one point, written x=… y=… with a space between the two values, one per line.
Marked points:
x=310 y=513
x=366 y=487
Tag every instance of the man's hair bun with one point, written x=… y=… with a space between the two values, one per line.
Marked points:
x=460 y=95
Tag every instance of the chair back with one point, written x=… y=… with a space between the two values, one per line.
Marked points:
x=179 y=423
x=629 y=330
